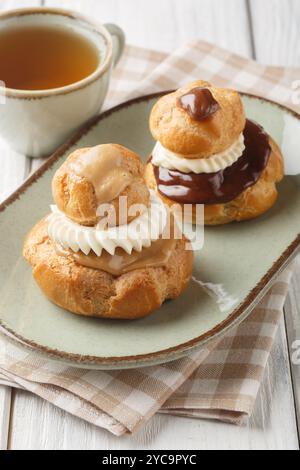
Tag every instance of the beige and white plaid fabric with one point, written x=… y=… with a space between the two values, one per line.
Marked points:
x=220 y=381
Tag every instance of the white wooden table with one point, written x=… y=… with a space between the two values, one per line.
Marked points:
x=269 y=31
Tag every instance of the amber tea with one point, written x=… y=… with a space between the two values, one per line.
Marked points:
x=41 y=57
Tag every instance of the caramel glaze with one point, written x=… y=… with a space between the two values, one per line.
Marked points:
x=157 y=255
x=199 y=103
x=103 y=167
x=225 y=185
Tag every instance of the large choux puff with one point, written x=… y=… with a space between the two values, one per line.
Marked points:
x=96 y=293
x=176 y=130
x=250 y=204
x=99 y=175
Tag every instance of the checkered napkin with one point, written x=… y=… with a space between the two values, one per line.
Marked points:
x=220 y=381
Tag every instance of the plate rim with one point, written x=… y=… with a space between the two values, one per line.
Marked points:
x=238 y=314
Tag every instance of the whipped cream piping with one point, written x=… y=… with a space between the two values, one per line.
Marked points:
x=136 y=235
x=163 y=157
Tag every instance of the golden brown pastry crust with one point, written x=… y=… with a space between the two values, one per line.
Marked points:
x=75 y=196
x=95 y=293
x=178 y=132
x=252 y=203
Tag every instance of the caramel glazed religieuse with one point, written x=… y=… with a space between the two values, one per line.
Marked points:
x=94 y=265
x=208 y=153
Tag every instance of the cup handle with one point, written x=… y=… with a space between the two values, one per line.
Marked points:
x=118 y=37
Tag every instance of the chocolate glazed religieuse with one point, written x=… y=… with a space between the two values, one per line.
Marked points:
x=208 y=152
x=96 y=265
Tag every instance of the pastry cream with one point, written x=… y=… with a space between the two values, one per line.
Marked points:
x=138 y=234
x=121 y=262
x=163 y=157
x=102 y=167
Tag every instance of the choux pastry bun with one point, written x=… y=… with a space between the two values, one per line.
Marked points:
x=100 y=175
x=100 y=272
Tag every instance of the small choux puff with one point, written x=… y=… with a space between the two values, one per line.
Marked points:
x=76 y=195
x=178 y=132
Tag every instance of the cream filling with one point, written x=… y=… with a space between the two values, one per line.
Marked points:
x=163 y=157
x=136 y=235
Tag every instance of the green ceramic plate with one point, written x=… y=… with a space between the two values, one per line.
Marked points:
x=243 y=257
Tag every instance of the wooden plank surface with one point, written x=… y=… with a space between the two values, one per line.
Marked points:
x=14 y=168
x=292 y=316
x=276 y=31
x=165 y=25
x=12 y=4
x=5 y=408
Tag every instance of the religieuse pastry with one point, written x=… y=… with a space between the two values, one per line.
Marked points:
x=105 y=251
x=208 y=153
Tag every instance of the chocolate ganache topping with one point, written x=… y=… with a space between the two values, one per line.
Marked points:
x=199 y=103
x=225 y=185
